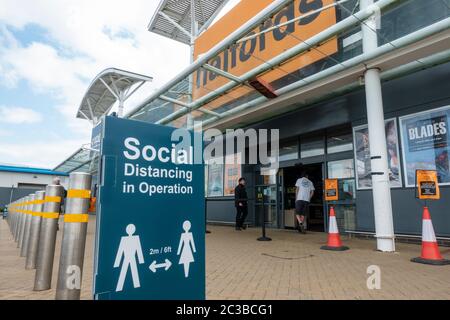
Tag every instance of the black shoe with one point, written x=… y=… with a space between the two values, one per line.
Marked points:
x=244 y=227
x=238 y=229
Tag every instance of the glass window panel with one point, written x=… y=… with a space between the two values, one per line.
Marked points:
x=289 y=150
x=233 y=172
x=312 y=146
x=345 y=217
x=339 y=141
x=341 y=169
x=215 y=178
x=347 y=189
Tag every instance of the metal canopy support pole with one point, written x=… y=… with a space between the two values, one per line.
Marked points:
x=222 y=73
x=121 y=103
x=176 y=25
x=190 y=120
x=382 y=202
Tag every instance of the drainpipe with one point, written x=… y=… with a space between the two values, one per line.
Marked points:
x=382 y=202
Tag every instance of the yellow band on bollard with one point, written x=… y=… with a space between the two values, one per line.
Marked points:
x=76 y=217
x=50 y=215
x=84 y=194
x=52 y=199
x=39 y=201
x=35 y=214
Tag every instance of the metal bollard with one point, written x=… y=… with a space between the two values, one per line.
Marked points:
x=23 y=220
x=47 y=238
x=74 y=237
x=35 y=229
x=13 y=218
x=19 y=220
x=14 y=227
x=27 y=226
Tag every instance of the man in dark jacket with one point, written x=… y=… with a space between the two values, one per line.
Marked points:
x=240 y=199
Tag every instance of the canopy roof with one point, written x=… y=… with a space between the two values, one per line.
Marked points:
x=173 y=18
x=109 y=86
x=78 y=161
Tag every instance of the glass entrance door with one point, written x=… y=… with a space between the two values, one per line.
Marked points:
x=345 y=207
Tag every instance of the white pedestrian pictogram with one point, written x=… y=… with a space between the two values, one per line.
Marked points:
x=186 y=248
x=129 y=246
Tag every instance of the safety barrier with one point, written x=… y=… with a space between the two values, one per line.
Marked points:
x=47 y=239
x=74 y=237
x=33 y=222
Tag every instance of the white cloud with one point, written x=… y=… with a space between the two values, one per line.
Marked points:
x=80 y=39
x=19 y=115
x=5 y=133
x=39 y=154
x=86 y=38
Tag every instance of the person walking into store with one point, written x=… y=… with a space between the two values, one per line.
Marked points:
x=240 y=200
x=304 y=190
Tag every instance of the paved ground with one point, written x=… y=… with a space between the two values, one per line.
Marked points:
x=290 y=267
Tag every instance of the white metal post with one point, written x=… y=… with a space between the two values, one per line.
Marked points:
x=121 y=104
x=382 y=202
x=190 y=119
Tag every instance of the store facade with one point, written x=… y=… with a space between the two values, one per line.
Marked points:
x=330 y=140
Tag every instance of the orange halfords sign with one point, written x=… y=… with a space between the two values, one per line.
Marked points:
x=245 y=56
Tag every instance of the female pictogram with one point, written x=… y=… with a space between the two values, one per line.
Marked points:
x=186 y=248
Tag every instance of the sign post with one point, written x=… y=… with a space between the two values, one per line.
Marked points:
x=150 y=239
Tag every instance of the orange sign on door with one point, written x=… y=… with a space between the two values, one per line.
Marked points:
x=331 y=189
x=427 y=185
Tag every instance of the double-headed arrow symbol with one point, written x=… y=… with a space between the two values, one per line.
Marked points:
x=154 y=266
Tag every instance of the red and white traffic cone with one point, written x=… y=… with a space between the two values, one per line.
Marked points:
x=430 y=249
x=334 y=239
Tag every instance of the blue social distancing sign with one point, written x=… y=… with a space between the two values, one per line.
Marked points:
x=150 y=235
